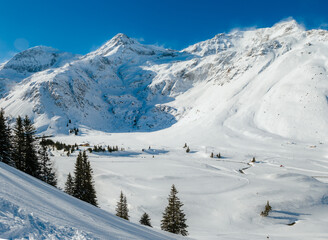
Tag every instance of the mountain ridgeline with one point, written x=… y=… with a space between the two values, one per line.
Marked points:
x=274 y=78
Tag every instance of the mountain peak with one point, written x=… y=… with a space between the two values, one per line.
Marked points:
x=33 y=59
x=120 y=36
x=121 y=39
x=288 y=25
x=122 y=44
x=36 y=59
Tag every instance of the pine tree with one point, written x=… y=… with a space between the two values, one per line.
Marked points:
x=78 y=190
x=90 y=192
x=122 y=210
x=5 y=141
x=69 y=185
x=174 y=220
x=31 y=159
x=46 y=170
x=145 y=220
x=125 y=209
x=19 y=144
x=83 y=182
x=119 y=206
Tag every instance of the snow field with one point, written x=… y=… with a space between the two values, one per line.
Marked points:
x=220 y=201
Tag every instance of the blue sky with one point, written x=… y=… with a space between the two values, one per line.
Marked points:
x=82 y=26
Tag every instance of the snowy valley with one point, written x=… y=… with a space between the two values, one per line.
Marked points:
x=261 y=93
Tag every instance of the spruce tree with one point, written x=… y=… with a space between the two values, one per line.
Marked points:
x=78 y=189
x=122 y=210
x=145 y=220
x=174 y=220
x=90 y=192
x=119 y=206
x=125 y=209
x=69 y=185
x=5 y=141
x=31 y=159
x=83 y=182
x=19 y=144
x=46 y=170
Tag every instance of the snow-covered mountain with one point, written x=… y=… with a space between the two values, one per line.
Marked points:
x=274 y=78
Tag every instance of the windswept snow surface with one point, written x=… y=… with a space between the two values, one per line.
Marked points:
x=259 y=93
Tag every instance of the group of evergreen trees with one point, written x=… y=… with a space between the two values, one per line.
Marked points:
x=81 y=185
x=74 y=130
x=20 y=148
x=122 y=210
x=174 y=219
x=187 y=148
x=103 y=149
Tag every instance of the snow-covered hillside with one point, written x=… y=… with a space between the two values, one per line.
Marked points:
x=273 y=78
x=31 y=209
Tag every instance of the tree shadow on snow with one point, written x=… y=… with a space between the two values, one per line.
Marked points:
x=286 y=216
x=117 y=154
x=155 y=151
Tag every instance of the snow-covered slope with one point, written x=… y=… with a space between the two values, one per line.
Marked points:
x=275 y=77
x=31 y=209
